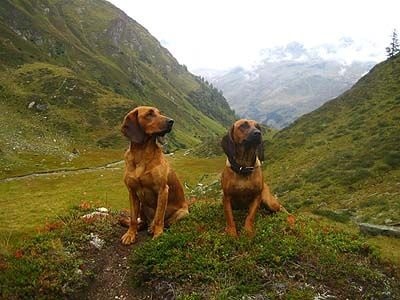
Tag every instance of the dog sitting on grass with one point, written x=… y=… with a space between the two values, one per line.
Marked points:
x=242 y=179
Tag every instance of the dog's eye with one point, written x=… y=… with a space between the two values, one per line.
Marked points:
x=150 y=114
x=244 y=125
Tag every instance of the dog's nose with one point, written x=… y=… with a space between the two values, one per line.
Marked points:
x=256 y=133
x=170 y=122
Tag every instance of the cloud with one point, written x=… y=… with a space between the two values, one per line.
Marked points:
x=224 y=33
x=345 y=50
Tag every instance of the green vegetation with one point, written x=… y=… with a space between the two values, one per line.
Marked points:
x=301 y=261
x=56 y=262
x=195 y=257
x=29 y=202
x=70 y=71
x=345 y=155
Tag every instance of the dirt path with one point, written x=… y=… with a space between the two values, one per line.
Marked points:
x=110 y=166
x=113 y=272
x=113 y=276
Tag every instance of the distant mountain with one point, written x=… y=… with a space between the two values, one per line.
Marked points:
x=71 y=70
x=343 y=159
x=289 y=81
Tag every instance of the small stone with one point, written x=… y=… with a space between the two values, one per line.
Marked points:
x=96 y=241
x=102 y=209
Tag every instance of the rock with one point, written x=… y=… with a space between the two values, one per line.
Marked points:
x=97 y=242
x=41 y=107
x=95 y=216
x=102 y=210
x=373 y=229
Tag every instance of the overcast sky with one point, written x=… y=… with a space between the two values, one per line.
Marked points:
x=220 y=34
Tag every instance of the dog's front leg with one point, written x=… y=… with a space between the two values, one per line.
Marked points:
x=130 y=236
x=230 y=222
x=249 y=222
x=157 y=226
x=269 y=200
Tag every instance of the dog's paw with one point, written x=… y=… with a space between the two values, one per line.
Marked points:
x=128 y=238
x=249 y=230
x=231 y=231
x=157 y=231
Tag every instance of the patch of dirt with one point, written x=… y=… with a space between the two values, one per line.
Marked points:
x=112 y=271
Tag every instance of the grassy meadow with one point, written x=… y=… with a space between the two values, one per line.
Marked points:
x=42 y=233
x=29 y=202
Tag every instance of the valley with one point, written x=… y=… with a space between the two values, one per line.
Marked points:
x=290 y=81
x=69 y=73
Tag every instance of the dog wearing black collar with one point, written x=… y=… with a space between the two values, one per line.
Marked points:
x=242 y=179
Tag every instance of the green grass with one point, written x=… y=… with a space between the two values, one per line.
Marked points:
x=82 y=66
x=199 y=260
x=195 y=256
x=57 y=262
x=344 y=155
x=29 y=202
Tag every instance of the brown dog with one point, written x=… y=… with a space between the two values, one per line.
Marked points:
x=155 y=193
x=242 y=179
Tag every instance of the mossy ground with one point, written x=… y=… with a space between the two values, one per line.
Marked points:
x=58 y=261
x=283 y=260
x=194 y=258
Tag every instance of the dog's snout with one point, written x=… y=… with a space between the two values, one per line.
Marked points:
x=256 y=133
x=170 y=122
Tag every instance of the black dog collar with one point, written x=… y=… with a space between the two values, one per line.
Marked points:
x=241 y=170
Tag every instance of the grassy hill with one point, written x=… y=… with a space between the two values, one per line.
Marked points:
x=195 y=259
x=343 y=160
x=70 y=70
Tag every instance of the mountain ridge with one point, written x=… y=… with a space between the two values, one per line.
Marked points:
x=343 y=158
x=288 y=82
x=73 y=69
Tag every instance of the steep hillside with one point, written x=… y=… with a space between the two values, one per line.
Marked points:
x=343 y=160
x=288 y=82
x=70 y=70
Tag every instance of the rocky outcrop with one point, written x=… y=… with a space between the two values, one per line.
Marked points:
x=371 y=229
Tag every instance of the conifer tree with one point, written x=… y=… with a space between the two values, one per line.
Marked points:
x=394 y=45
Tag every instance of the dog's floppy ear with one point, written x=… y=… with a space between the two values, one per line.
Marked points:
x=131 y=128
x=260 y=152
x=227 y=143
x=260 y=148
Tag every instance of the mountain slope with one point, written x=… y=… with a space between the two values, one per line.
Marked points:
x=70 y=70
x=345 y=156
x=289 y=82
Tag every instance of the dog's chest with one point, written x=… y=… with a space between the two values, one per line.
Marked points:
x=139 y=176
x=244 y=185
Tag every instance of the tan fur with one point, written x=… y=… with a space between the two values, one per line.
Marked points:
x=249 y=191
x=155 y=193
